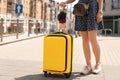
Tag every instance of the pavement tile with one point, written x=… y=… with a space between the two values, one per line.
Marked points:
x=3 y=77
x=111 y=72
x=32 y=69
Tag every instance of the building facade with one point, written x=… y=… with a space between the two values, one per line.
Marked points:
x=6 y=12
x=50 y=15
x=26 y=8
x=32 y=10
x=35 y=12
x=112 y=15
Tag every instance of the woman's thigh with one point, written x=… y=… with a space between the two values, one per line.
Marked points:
x=60 y=25
x=84 y=35
x=92 y=35
x=64 y=25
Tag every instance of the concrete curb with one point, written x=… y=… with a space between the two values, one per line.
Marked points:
x=4 y=43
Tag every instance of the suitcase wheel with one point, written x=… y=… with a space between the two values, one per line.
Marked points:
x=67 y=75
x=45 y=73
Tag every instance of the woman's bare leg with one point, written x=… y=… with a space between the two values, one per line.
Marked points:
x=60 y=27
x=64 y=27
x=95 y=46
x=86 y=47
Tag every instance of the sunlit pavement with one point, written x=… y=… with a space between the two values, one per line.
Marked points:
x=23 y=60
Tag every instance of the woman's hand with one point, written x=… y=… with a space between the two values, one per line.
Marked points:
x=63 y=4
x=99 y=17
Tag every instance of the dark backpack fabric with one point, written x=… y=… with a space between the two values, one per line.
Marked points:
x=81 y=9
x=61 y=16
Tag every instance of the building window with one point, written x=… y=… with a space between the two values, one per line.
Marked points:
x=5 y=2
x=104 y=5
x=115 y=4
x=4 y=9
x=13 y=1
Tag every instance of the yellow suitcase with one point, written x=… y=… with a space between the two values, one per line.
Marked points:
x=58 y=51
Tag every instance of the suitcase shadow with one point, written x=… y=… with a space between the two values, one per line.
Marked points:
x=74 y=75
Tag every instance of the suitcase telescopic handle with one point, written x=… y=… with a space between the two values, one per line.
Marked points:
x=59 y=33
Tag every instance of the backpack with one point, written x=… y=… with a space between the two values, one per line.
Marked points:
x=61 y=15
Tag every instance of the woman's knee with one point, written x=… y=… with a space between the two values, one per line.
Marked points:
x=84 y=36
x=93 y=40
x=92 y=36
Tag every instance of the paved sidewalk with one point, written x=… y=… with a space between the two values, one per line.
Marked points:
x=32 y=69
x=12 y=38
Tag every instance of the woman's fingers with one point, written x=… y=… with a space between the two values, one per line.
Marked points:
x=99 y=17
